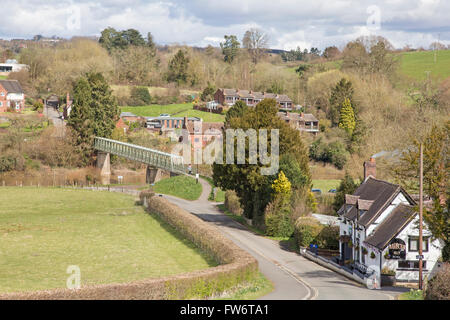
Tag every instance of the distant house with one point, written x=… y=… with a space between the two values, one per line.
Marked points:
x=167 y=122
x=201 y=133
x=11 y=96
x=228 y=97
x=301 y=121
x=378 y=230
x=11 y=66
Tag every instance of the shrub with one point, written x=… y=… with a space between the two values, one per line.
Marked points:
x=439 y=286
x=140 y=96
x=232 y=202
x=7 y=163
x=387 y=271
x=333 y=152
x=38 y=106
x=306 y=231
x=277 y=218
x=328 y=238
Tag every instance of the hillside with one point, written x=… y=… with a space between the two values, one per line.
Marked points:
x=414 y=64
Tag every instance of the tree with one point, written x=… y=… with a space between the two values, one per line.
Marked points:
x=140 y=96
x=436 y=174
x=94 y=112
x=230 y=48
x=331 y=52
x=178 y=68
x=208 y=93
x=236 y=111
x=347 y=186
x=255 y=41
x=347 y=117
x=343 y=90
x=253 y=188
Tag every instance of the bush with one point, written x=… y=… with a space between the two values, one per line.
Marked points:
x=306 y=231
x=333 y=152
x=328 y=238
x=232 y=202
x=38 y=106
x=7 y=163
x=439 y=286
x=140 y=96
x=277 y=218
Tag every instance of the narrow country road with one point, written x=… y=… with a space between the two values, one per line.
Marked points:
x=294 y=277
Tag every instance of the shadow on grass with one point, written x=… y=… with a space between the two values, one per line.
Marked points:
x=177 y=235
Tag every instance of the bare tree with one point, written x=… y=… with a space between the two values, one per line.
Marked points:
x=255 y=41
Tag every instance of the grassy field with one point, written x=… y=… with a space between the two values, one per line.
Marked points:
x=155 y=91
x=250 y=291
x=179 y=186
x=326 y=185
x=414 y=64
x=3 y=77
x=43 y=231
x=177 y=110
x=411 y=295
x=156 y=109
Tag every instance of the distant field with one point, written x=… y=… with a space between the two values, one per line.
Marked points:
x=414 y=64
x=326 y=185
x=179 y=186
x=3 y=77
x=158 y=91
x=156 y=109
x=181 y=110
x=111 y=240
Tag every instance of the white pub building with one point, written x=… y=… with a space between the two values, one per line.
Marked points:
x=379 y=232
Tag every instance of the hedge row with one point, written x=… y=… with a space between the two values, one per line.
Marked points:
x=237 y=266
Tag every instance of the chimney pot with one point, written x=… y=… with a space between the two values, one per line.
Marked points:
x=370 y=168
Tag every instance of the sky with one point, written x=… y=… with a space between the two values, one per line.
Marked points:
x=288 y=23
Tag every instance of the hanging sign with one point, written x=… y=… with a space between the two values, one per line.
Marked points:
x=397 y=249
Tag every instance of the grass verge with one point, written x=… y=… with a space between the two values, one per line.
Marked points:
x=184 y=187
x=256 y=288
x=411 y=295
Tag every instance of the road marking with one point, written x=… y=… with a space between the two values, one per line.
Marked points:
x=312 y=292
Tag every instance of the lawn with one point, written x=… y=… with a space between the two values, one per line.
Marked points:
x=181 y=186
x=3 y=77
x=411 y=295
x=326 y=185
x=414 y=64
x=156 y=109
x=111 y=240
x=176 y=110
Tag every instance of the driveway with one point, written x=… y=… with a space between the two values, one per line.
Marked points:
x=294 y=277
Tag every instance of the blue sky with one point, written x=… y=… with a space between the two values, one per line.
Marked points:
x=289 y=23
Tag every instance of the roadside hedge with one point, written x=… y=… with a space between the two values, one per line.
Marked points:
x=308 y=230
x=237 y=266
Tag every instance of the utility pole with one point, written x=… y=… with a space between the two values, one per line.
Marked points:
x=421 y=217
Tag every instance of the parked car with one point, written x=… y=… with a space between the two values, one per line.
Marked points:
x=318 y=191
x=332 y=191
x=164 y=115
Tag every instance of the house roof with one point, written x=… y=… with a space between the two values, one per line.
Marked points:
x=204 y=126
x=293 y=116
x=11 y=86
x=399 y=218
x=380 y=192
x=283 y=98
x=127 y=114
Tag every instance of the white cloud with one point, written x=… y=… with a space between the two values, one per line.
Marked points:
x=289 y=23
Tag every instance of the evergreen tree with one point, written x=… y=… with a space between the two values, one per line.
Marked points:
x=347 y=117
x=230 y=48
x=94 y=112
x=236 y=111
x=178 y=68
x=340 y=92
x=347 y=186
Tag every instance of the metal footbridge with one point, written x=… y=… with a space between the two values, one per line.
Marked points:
x=154 y=158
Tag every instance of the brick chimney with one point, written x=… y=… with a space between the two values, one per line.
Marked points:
x=370 y=168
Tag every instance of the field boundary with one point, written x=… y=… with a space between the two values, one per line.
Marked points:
x=236 y=266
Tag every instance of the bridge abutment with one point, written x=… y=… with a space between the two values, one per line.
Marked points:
x=152 y=175
x=104 y=164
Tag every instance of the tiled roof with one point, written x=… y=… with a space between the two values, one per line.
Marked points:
x=399 y=218
x=12 y=86
x=380 y=192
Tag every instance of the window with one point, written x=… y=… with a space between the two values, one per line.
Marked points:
x=413 y=244
x=410 y=264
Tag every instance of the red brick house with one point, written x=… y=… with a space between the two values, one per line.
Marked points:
x=201 y=133
x=303 y=122
x=11 y=96
x=228 y=97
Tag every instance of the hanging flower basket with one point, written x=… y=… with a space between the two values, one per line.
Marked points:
x=372 y=255
x=364 y=251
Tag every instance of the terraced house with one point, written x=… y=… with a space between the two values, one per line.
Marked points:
x=11 y=96
x=379 y=232
x=228 y=97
